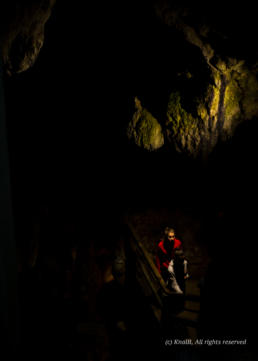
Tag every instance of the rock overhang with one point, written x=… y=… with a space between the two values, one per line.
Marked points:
x=230 y=92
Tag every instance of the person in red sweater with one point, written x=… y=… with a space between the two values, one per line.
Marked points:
x=165 y=251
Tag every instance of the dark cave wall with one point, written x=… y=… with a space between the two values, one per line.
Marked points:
x=228 y=95
x=9 y=312
x=22 y=33
x=62 y=171
x=79 y=148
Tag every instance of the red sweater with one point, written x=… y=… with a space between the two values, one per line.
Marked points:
x=163 y=258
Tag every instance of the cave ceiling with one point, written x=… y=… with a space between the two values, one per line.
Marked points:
x=206 y=107
x=189 y=69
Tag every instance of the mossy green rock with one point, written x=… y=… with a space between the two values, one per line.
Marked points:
x=145 y=129
x=220 y=109
x=195 y=123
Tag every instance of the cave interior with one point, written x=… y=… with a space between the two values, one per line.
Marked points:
x=74 y=174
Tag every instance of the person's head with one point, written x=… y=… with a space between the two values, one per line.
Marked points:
x=169 y=234
x=179 y=256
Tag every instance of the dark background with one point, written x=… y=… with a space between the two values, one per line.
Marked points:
x=67 y=115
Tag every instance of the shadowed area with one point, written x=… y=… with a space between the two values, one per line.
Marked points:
x=75 y=174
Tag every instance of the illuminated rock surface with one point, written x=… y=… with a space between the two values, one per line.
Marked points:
x=230 y=95
x=145 y=129
x=67 y=117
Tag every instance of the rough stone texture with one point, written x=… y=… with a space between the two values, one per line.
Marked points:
x=230 y=99
x=145 y=129
x=22 y=32
x=230 y=95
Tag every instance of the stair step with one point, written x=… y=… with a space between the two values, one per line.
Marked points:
x=193 y=306
x=187 y=318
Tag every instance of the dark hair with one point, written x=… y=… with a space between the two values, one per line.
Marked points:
x=178 y=253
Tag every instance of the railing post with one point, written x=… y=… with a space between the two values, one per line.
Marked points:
x=9 y=305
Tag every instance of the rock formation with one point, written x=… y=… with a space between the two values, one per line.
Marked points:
x=230 y=94
x=22 y=32
x=194 y=121
x=145 y=129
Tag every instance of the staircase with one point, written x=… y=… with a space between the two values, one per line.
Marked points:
x=160 y=299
